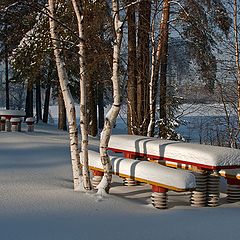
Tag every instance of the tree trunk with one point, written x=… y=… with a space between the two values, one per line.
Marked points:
x=163 y=68
x=68 y=100
x=38 y=101
x=7 y=78
x=132 y=71
x=83 y=97
x=62 y=115
x=237 y=61
x=91 y=107
x=46 y=103
x=152 y=86
x=29 y=100
x=143 y=67
x=111 y=116
x=100 y=107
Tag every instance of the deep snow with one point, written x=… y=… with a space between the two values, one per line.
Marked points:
x=37 y=200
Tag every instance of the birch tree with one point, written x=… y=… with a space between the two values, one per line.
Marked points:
x=235 y=22
x=68 y=100
x=111 y=116
x=83 y=110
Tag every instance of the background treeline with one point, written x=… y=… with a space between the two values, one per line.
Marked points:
x=172 y=52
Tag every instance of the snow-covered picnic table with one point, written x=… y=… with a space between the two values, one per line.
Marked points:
x=206 y=161
x=7 y=115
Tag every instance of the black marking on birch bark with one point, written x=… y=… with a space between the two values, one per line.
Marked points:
x=105 y=160
x=117 y=105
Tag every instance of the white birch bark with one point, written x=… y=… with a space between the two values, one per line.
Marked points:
x=151 y=124
x=68 y=100
x=111 y=116
x=83 y=99
x=237 y=61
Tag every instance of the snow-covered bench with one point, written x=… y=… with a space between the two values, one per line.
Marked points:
x=205 y=160
x=161 y=178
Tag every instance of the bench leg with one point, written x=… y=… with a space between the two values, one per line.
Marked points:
x=97 y=177
x=14 y=127
x=129 y=182
x=159 y=197
x=199 y=195
x=233 y=192
x=213 y=190
x=8 y=125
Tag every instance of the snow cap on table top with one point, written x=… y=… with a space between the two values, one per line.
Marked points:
x=146 y=170
x=15 y=113
x=187 y=152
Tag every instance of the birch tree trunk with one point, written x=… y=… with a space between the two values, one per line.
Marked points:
x=111 y=116
x=237 y=60
x=83 y=99
x=152 y=85
x=68 y=100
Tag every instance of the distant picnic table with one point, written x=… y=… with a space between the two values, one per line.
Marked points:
x=7 y=115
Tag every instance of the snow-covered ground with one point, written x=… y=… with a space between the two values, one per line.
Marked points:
x=37 y=200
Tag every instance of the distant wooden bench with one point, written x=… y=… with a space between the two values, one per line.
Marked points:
x=161 y=178
x=206 y=161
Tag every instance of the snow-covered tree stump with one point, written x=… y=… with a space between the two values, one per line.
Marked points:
x=213 y=190
x=97 y=177
x=30 y=124
x=3 y=123
x=159 y=197
x=199 y=195
x=15 y=122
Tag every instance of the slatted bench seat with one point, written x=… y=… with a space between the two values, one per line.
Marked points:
x=161 y=178
x=206 y=161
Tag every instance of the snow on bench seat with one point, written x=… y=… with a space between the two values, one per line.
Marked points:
x=148 y=172
x=209 y=157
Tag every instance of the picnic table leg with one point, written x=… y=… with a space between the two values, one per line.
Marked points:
x=97 y=177
x=3 y=122
x=129 y=181
x=159 y=197
x=199 y=195
x=8 y=124
x=233 y=192
x=213 y=189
